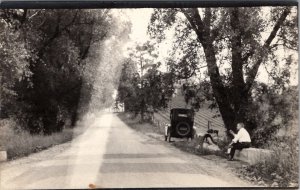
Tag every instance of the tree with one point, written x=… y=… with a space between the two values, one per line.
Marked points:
x=143 y=56
x=158 y=88
x=234 y=46
x=142 y=87
x=272 y=111
x=128 y=87
x=14 y=65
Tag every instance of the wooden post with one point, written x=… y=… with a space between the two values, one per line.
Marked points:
x=3 y=154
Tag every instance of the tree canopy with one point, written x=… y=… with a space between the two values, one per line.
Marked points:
x=49 y=63
x=232 y=44
x=143 y=88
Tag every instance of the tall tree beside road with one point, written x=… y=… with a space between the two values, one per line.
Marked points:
x=128 y=87
x=234 y=43
x=143 y=88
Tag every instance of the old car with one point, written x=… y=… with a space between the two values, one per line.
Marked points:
x=181 y=125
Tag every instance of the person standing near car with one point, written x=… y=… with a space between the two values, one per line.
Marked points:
x=241 y=140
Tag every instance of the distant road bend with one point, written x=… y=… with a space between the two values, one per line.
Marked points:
x=109 y=154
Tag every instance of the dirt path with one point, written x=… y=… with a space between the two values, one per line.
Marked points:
x=110 y=154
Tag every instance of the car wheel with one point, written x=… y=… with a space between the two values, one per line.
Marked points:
x=183 y=129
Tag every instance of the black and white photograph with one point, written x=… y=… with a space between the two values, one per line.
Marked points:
x=149 y=97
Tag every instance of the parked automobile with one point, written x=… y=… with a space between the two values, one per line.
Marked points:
x=181 y=125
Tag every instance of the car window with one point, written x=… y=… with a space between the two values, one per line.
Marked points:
x=182 y=115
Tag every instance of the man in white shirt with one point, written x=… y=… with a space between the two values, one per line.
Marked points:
x=241 y=140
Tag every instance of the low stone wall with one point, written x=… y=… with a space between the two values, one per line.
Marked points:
x=252 y=155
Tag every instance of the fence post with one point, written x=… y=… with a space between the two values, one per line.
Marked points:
x=3 y=154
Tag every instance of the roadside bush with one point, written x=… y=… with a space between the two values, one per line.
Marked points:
x=282 y=168
x=271 y=111
x=18 y=142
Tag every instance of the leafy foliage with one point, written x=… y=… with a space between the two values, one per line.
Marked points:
x=14 y=66
x=272 y=111
x=52 y=77
x=234 y=43
x=282 y=167
x=143 y=88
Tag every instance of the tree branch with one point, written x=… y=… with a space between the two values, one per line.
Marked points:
x=261 y=56
x=49 y=40
x=247 y=55
x=58 y=31
x=34 y=14
x=207 y=21
x=198 y=25
x=23 y=18
x=236 y=46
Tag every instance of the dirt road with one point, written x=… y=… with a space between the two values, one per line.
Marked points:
x=109 y=154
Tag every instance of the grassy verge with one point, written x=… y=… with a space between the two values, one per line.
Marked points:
x=282 y=169
x=18 y=142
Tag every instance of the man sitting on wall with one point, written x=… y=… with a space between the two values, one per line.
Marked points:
x=241 y=140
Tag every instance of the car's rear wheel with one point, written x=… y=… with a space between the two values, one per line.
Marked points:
x=183 y=129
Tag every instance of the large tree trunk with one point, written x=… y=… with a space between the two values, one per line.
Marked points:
x=219 y=91
x=202 y=29
x=238 y=96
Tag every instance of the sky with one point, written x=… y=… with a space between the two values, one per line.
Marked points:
x=140 y=19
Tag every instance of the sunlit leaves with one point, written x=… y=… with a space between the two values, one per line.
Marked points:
x=161 y=19
x=14 y=64
x=289 y=33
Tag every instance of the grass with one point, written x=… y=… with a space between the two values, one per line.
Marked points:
x=136 y=124
x=19 y=143
x=192 y=147
x=282 y=169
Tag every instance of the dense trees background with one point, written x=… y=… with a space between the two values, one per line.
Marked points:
x=143 y=88
x=47 y=68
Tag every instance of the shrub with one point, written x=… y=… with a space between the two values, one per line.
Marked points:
x=18 y=142
x=282 y=167
x=271 y=111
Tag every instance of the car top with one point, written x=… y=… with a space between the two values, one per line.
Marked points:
x=181 y=109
